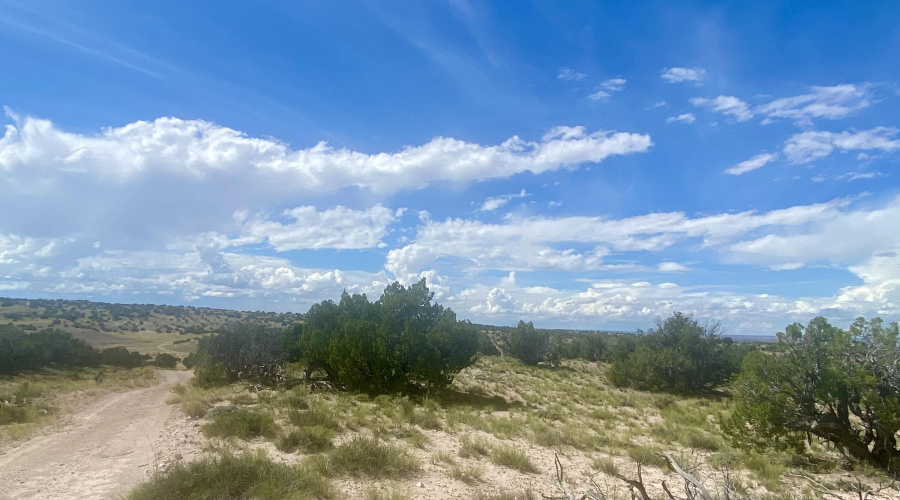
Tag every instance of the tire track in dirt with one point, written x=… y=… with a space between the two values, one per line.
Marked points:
x=105 y=449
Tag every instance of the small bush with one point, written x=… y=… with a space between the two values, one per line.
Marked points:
x=240 y=423
x=513 y=458
x=165 y=360
x=369 y=457
x=374 y=493
x=251 y=475
x=194 y=407
x=208 y=375
x=312 y=439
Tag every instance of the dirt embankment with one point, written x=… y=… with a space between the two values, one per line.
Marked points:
x=104 y=449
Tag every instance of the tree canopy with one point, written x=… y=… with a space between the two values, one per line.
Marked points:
x=840 y=386
x=679 y=355
x=402 y=342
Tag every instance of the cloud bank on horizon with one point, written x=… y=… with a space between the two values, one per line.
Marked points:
x=575 y=187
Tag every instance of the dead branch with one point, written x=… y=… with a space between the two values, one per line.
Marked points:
x=704 y=494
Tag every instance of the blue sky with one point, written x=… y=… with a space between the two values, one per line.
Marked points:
x=578 y=164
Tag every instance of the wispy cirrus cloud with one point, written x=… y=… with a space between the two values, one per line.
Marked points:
x=752 y=164
x=677 y=75
x=809 y=146
x=496 y=202
x=687 y=118
x=727 y=105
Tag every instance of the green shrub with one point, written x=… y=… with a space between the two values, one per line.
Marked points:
x=401 y=343
x=680 y=356
x=247 y=476
x=529 y=345
x=165 y=360
x=239 y=422
x=208 y=375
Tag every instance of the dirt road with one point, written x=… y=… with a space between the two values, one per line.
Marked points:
x=103 y=450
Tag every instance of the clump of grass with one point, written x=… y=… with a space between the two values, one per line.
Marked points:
x=512 y=457
x=605 y=465
x=363 y=456
x=239 y=422
x=766 y=470
x=473 y=446
x=194 y=407
x=469 y=474
x=250 y=475
x=374 y=493
x=311 y=439
x=426 y=419
x=313 y=417
x=646 y=456
x=508 y=495
x=442 y=456
x=412 y=436
x=243 y=398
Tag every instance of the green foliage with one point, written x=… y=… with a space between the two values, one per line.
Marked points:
x=165 y=360
x=841 y=386
x=680 y=356
x=529 y=345
x=246 y=351
x=21 y=351
x=590 y=346
x=401 y=343
x=247 y=476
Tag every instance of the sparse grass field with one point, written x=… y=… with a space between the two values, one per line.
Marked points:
x=495 y=435
x=31 y=400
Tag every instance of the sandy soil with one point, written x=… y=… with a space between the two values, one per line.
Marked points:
x=104 y=449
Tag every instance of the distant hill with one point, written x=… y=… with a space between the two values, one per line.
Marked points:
x=99 y=323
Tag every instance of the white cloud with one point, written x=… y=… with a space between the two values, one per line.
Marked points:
x=727 y=105
x=580 y=243
x=677 y=75
x=338 y=228
x=496 y=202
x=134 y=185
x=682 y=118
x=672 y=267
x=570 y=75
x=599 y=95
x=614 y=84
x=754 y=163
x=831 y=103
x=813 y=145
x=197 y=149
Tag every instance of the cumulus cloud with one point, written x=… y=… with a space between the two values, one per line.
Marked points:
x=671 y=267
x=133 y=185
x=809 y=146
x=678 y=75
x=570 y=75
x=754 y=163
x=682 y=118
x=598 y=95
x=198 y=149
x=496 y=202
x=727 y=105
